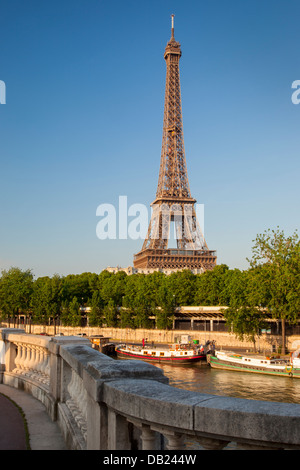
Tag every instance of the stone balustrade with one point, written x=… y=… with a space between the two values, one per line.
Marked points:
x=104 y=404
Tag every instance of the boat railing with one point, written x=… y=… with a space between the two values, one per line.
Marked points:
x=104 y=404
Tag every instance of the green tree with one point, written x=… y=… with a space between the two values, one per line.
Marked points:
x=243 y=315
x=278 y=257
x=144 y=301
x=112 y=286
x=182 y=284
x=127 y=317
x=46 y=299
x=166 y=310
x=65 y=316
x=111 y=314
x=210 y=288
x=140 y=299
x=77 y=285
x=15 y=292
x=96 y=314
x=75 y=312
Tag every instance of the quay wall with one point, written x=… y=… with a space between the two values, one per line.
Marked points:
x=265 y=343
x=103 y=404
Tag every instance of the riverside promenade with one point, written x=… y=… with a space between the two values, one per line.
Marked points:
x=25 y=423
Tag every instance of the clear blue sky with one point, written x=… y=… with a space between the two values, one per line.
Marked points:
x=82 y=123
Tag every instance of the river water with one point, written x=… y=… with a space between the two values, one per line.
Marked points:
x=200 y=377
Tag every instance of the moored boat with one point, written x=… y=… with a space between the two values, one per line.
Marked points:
x=256 y=364
x=180 y=353
x=178 y=356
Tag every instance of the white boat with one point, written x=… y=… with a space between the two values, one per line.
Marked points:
x=176 y=354
x=270 y=365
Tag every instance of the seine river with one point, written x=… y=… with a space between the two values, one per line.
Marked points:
x=204 y=379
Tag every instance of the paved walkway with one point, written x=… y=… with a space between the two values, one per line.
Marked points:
x=25 y=423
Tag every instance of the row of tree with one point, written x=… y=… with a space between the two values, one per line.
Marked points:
x=271 y=284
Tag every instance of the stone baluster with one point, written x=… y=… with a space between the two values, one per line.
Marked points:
x=47 y=363
x=34 y=361
x=148 y=438
x=19 y=360
x=34 y=358
x=39 y=357
x=27 y=358
x=44 y=359
x=175 y=441
x=41 y=364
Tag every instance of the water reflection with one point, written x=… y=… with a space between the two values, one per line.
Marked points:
x=202 y=378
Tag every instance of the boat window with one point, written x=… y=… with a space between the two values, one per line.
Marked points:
x=153 y=353
x=145 y=352
x=162 y=354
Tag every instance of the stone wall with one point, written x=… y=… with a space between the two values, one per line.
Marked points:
x=266 y=342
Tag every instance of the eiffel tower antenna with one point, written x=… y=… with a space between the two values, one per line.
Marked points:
x=172 y=29
x=173 y=202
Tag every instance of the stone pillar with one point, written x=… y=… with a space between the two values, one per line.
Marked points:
x=9 y=351
x=118 y=436
x=97 y=430
x=55 y=371
x=57 y=363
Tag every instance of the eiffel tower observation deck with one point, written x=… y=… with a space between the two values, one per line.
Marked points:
x=174 y=206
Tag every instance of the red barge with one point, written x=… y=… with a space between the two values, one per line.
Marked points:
x=181 y=353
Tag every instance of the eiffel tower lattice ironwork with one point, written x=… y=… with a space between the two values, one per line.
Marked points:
x=173 y=202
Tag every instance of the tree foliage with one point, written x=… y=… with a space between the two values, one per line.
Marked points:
x=16 y=288
x=243 y=314
x=278 y=260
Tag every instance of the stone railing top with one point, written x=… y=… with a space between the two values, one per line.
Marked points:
x=6 y=331
x=15 y=335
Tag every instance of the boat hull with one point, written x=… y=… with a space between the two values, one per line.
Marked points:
x=121 y=354
x=287 y=371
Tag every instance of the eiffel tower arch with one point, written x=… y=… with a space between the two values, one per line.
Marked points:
x=173 y=202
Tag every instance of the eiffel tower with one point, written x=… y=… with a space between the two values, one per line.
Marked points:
x=174 y=204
